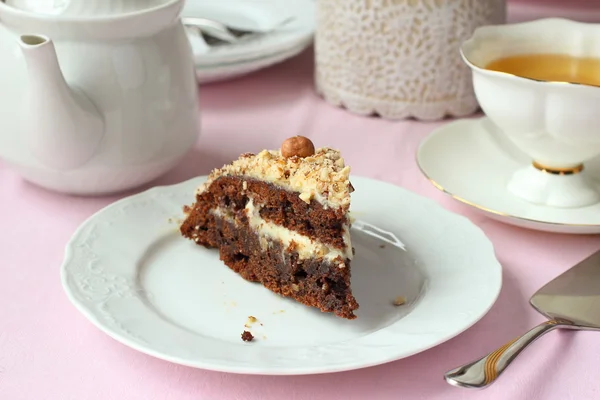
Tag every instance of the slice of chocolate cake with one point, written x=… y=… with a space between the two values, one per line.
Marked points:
x=281 y=218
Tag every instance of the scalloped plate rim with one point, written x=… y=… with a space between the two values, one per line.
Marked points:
x=495 y=272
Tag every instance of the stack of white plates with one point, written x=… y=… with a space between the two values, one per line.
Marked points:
x=231 y=60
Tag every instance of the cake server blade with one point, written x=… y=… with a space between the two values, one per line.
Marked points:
x=570 y=301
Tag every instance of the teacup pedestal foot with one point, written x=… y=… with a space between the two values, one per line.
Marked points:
x=554 y=187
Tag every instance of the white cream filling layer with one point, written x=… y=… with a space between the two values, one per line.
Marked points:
x=304 y=246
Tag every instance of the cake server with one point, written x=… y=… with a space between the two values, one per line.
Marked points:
x=570 y=301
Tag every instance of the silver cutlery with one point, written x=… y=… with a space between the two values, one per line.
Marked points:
x=570 y=301
x=215 y=32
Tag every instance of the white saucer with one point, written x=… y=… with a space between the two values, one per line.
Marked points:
x=252 y=14
x=128 y=270
x=472 y=161
x=221 y=72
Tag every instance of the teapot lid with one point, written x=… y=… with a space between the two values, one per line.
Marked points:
x=84 y=8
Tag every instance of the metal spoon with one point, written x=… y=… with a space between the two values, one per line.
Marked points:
x=218 y=33
x=210 y=29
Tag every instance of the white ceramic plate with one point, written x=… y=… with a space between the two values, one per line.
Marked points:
x=131 y=274
x=252 y=14
x=472 y=160
x=223 y=72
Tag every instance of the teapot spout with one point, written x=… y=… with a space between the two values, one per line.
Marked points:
x=64 y=128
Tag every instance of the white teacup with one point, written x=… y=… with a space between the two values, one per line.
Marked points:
x=556 y=123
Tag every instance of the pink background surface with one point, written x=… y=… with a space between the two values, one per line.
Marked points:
x=49 y=351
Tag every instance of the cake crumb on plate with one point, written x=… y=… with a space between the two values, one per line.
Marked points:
x=251 y=320
x=400 y=300
x=247 y=336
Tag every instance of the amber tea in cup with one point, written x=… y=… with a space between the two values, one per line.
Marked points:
x=550 y=67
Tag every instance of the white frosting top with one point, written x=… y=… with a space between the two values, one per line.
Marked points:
x=322 y=176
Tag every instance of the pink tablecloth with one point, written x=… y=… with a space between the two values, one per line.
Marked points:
x=48 y=351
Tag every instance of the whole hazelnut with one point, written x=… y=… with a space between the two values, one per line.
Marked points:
x=298 y=146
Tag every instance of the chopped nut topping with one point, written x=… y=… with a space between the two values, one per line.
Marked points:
x=306 y=197
x=322 y=176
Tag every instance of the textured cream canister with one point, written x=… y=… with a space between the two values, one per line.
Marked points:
x=399 y=58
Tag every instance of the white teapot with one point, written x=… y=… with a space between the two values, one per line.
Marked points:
x=97 y=96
